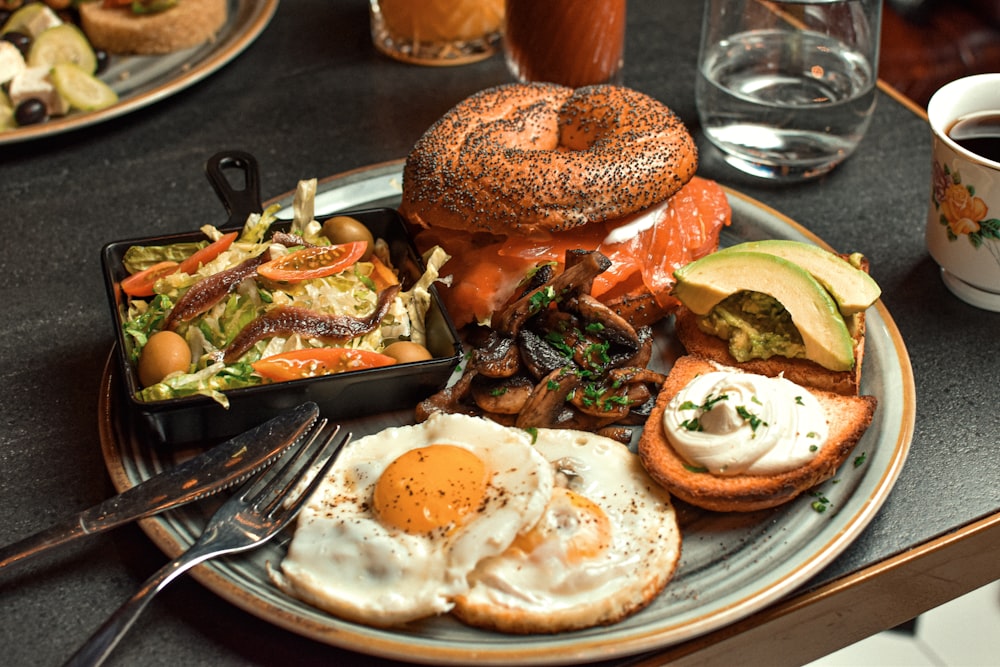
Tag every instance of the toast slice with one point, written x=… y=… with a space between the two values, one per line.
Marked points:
x=119 y=30
x=848 y=417
x=800 y=371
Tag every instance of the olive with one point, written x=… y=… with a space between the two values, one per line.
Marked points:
x=103 y=60
x=405 y=351
x=31 y=111
x=18 y=39
x=345 y=229
x=164 y=353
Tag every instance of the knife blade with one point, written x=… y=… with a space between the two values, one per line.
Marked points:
x=217 y=468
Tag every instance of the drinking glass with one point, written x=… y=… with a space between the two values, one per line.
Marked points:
x=437 y=32
x=786 y=90
x=570 y=42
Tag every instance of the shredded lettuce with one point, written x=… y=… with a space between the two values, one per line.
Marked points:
x=351 y=292
x=138 y=258
x=303 y=205
x=144 y=318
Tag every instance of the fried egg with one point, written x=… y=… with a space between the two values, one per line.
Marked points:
x=606 y=545
x=406 y=514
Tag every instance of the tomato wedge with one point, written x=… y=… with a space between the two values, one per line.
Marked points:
x=314 y=262
x=142 y=282
x=382 y=275
x=208 y=253
x=314 y=362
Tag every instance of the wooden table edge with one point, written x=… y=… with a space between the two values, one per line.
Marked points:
x=882 y=596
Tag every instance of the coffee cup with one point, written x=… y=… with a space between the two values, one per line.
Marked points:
x=963 y=220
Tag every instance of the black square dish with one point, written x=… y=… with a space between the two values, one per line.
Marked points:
x=339 y=396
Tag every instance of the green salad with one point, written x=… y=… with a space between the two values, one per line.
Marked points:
x=293 y=298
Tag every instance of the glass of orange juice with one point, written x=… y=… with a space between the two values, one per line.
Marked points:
x=437 y=32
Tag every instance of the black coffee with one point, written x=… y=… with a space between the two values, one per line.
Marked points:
x=978 y=133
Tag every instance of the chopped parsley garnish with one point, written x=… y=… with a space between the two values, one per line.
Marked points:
x=614 y=400
x=559 y=343
x=541 y=299
x=691 y=425
x=709 y=403
x=821 y=503
x=691 y=468
x=592 y=393
x=754 y=420
x=859 y=460
x=598 y=352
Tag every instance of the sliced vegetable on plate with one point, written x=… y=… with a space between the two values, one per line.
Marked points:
x=314 y=362
x=316 y=262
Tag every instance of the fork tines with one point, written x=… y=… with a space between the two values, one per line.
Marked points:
x=284 y=482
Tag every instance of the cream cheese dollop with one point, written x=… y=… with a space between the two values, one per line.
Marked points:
x=733 y=423
x=635 y=224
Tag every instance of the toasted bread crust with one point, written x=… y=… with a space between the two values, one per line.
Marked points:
x=118 y=30
x=800 y=371
x=848 y=418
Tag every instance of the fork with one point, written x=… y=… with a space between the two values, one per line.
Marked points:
x=264 y=505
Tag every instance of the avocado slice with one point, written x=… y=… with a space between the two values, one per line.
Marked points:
x=705 y=282
x=852 y=288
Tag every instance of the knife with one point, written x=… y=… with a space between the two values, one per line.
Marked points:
x=219 y=467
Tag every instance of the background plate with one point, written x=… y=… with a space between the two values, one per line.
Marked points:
x=731 y=566
x=143 y=80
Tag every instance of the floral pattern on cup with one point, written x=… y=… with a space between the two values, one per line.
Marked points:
x=962 y=212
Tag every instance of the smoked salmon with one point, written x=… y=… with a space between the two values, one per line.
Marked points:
x=485 y=269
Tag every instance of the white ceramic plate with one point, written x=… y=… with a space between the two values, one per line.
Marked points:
x=732 y=565
x=143 y=80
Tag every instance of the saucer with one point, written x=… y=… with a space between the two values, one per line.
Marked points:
x=971 y=295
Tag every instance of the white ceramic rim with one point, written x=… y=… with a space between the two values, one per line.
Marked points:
x=969 y=293
x=943 y=110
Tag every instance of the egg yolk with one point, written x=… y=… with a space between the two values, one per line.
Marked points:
x=430 y=488
x=574 y=521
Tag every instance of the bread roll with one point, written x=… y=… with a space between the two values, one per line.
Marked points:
x=119 y=30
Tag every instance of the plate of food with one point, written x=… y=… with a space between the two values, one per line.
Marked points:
x=731 y=564
x=137 y=73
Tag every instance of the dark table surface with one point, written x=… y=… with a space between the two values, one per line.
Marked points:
x=311 y=97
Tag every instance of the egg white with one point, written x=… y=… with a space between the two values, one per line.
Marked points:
x=551 y=589
x=344 y=560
